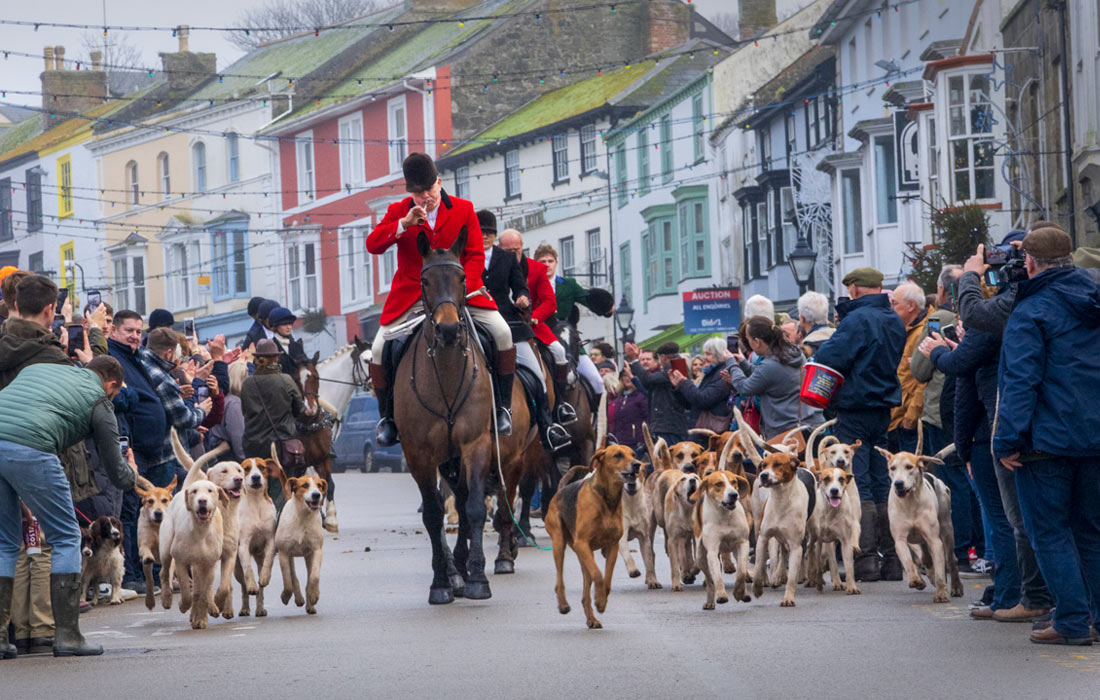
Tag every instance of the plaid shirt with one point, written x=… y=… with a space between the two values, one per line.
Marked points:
x=180 y=415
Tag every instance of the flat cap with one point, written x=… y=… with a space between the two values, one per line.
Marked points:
x=863 y=277
x=1047 y=243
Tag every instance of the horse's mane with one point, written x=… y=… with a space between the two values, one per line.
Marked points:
x=342 y=351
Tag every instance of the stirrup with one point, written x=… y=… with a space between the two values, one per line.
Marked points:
x=386 y=433
x=565 y=413
x=557 y=438
x=504 y=421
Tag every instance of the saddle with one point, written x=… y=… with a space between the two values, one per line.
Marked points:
x=397 y=344
x=532 y=384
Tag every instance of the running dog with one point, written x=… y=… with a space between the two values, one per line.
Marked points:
x=721 y=526
x=679 y=531
x=229 y=477
x=587 y=515
x=105 y=563
x=836 y=520
x=256 y=533
x=784 y=517
x=920 y=513
x=154 y=506
x=638 y=525
x=300 y=533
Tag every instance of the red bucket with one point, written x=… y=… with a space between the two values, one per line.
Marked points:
x=819 y=384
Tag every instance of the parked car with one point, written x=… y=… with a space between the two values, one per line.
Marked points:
x=355 y=447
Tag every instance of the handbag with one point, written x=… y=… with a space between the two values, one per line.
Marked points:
x=752 y=415
x=292 y=453
x=713 y=422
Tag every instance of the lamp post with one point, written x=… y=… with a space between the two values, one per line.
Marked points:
x=624 y=318
x=802 y=260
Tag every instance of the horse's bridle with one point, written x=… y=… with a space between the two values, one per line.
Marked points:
x=440 y=302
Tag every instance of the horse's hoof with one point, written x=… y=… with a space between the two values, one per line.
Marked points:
x=458 y=586
x=504 y=566
x=525 y=541
x=440 y=596
x=478 y=590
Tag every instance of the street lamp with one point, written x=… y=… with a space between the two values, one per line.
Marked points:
x=624 y=318
x=802 y=260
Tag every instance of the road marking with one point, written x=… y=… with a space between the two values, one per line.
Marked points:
x=113 y=634
x=1075 y=661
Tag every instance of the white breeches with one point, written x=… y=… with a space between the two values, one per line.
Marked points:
x=525 y=356
x=587 y=369
x=490 y=318
x=558 y=351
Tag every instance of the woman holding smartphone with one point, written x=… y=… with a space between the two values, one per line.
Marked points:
x=709 y=401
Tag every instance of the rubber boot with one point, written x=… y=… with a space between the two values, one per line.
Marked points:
x=506 y=374
x=867 y=563
x=564 y=412
x=65 y=593
x=386 y=433
x=891 y=565
x=7 y=650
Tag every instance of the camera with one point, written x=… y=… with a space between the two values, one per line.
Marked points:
x=1006 y=264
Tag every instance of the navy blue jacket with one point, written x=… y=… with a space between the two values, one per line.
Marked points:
x=976 y=356
x=143 y=413
x=1050 y=368
x=866 y=349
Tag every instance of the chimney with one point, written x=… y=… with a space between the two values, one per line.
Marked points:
x=66 y=92
x=97 y=60
x=185 y=70
x=667 y=24
x=755 y=18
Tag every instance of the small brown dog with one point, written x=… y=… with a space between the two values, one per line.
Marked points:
x=105 y=564
x=154 y=507
x=587 y=514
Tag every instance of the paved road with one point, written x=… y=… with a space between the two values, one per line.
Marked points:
x=375 y=636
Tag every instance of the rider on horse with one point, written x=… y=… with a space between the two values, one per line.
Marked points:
x=569 y=294
x=440 y=217
x=546 y=304
x=505 y=280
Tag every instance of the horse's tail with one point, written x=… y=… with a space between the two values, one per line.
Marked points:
x=575 y=473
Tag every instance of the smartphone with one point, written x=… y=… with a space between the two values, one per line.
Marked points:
x=62 y=295
x=951 y=334
x=124 y=444
x=680 y=365
x=843 y=300
x=76 y=337
x=934 y=326
x=189 y=328
x=955 y=296
x=94 y=300
x=202 y=394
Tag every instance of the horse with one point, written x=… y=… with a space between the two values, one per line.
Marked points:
x=313 y=430
x=443 y=396
x=341 y=375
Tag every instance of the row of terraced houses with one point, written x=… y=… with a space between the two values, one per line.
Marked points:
x=657 y=153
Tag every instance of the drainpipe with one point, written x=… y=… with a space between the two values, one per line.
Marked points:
x=1067 y=124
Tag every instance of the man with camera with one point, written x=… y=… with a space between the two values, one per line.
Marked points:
x=1047 y=431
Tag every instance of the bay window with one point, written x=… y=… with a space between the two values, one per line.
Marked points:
x=851 y=214
x=886 y=181
x=970 y=137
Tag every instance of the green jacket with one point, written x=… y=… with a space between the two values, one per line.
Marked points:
x=569 y=293
x=98 y=341
x=277 y=393
x=926 y=373
x=50 y=408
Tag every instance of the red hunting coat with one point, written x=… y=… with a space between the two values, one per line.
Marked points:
x=544 y=303
x=454 y=213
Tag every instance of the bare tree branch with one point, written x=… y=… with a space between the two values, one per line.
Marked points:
x=119 y=53
x=278 y=18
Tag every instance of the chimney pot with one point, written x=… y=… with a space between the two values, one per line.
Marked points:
x=59 y=56
x=182 y=32
x=97 y=60
x=48 y=53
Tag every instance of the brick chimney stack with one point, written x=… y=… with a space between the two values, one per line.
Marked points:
x=667 y=24
x=755 y=18
x=185 y=70
x=66 y=92
x=97 y=60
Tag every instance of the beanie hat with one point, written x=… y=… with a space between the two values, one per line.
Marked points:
x=161 y=318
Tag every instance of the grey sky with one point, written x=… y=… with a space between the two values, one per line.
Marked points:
x=20 y=73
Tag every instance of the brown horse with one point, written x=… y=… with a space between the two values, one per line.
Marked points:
x=315 y=434
x=443 y=405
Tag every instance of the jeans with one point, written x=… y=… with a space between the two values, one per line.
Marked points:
x=868 y=466
x=38 y=480
x=161 y=475
x=1000 y=540
x=1033 y=589
x=904 y=440
x=1060 y=502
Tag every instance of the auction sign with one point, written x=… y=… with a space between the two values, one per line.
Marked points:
x=712 y=310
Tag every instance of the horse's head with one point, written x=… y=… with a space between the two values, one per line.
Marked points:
x=443 y=289
x=309 y=381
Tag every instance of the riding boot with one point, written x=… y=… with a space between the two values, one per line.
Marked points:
x=554 y=437
x=564 y=412
x=65 y=593
x=506 y=374
x=7 y=651
x=891 y=565
x=867 y=563
x=386 y=433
